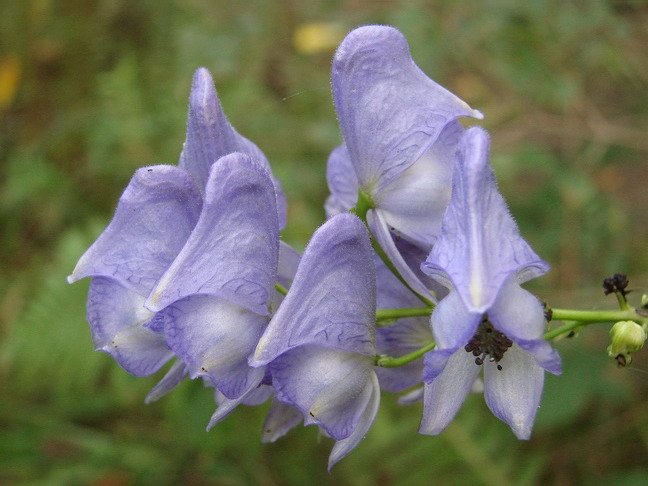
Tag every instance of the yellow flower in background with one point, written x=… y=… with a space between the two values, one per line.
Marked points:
x=315 y=37
x=10 y=69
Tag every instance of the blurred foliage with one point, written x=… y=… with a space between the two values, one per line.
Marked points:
x=91 y=90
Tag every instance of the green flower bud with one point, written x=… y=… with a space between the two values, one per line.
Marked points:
x=627 y=338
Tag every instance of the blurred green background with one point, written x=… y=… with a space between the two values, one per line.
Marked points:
x=92 y=90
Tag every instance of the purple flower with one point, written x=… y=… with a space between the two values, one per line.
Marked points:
x=154 y=217
x=212 y=301
x=155 y=220
x=319 y=346
x=487 y=318
x=400 y=133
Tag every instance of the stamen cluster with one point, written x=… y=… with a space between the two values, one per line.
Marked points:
x=488 y=341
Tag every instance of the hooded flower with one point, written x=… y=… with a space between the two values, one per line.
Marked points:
x=487 y=318
x=212 y=302
x=400 y=135
x=154 y=220
x=154 y=217
x=319 y=346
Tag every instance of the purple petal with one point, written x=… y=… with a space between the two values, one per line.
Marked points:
x=452 y=323
x=233 y=251
x=344 y=446
x=288 y=262
x=171 y=379
x=391 y=293
x=384 y=238
x=414 y=203
x=390 y=112
x=154 y=218
x=117 y=316
x=480 y=245
x=342 y=182
x=513 y=393
x=332 y=300
x=331 y=388
x=214 y=338
x=280 y=419
x=445 y=395
x=397 y=340
x=210 y=135
x=227 y=406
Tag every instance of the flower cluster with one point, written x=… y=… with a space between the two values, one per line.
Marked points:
x=192 y=269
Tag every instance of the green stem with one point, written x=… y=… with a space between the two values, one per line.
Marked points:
x=281 y=289
x=575 y=319
x=388 y=314
x=595 y=316
x=364 y=204
x=390 y=362
x=565 y=329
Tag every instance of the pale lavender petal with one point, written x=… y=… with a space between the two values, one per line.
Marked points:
x=517 y=313
x=452 y=323
x=332 y=300
x=414 y=203
x=445 y=395
x=384 y=238
x=171 y=379
x=214 y=338
x=344 y=446
x=280 y=419
x=154 y=217
x=342 y=182
x=210 y=135
x=513 y=393
x=117 y=316
x=480 y=245
x=233 y=251
x=227 y=406
x=412 y=397
x=331 y=388
x=257 y=396
x=543 y=353
x=435 y=361
x=390 y=112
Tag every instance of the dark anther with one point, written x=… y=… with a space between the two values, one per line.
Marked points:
x=488 y=341
x=548 y=313
x=621 y=282
x=571 y=334
x=616 y=283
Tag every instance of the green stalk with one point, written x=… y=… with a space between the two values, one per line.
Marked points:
x=390 y=362
x=389 y=314
x=364 y=204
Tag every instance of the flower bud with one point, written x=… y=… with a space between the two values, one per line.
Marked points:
x=627 y=338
